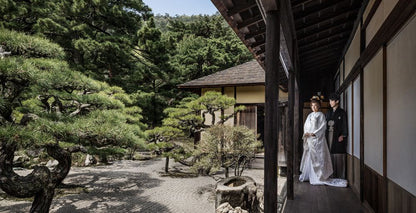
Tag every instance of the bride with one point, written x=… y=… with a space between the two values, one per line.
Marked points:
x=316 y=163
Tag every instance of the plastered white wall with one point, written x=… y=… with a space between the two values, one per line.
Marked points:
x=373 y=113
x=401 y=108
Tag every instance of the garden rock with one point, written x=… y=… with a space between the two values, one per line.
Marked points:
x=227 y=208
x=239 y=191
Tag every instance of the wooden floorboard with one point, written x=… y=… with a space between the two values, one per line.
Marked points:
x=322 y=199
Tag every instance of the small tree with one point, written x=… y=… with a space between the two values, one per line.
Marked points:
x=186 y=120
x=225 y=147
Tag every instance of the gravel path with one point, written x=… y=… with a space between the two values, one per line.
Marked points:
x=134 y=186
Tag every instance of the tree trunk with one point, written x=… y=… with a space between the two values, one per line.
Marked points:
x=40 y=183
x=43 y=200
x=226 y=172
x=167 y=165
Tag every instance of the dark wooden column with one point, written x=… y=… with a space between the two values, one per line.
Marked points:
x=271 y=107
x=296 y=132
x=289 y=143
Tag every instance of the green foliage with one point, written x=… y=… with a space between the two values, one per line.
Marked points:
x=183 y=49
x=98 y=36
x=120 y=43
x=184 y=121
x=203 y=46
x=55 y=104
x=190 y=114
x=224 y=147
x=29 y=46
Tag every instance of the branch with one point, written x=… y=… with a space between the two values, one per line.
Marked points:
x=77 y=149
x=80 y=108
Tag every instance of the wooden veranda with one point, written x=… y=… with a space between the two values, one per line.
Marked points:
x=314 y=47
x=322 y=199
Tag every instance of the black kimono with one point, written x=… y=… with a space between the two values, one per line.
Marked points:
x=340 y=128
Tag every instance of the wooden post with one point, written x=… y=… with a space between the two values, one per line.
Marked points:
x=272 y=108
x=296 y=132
x=289 y=143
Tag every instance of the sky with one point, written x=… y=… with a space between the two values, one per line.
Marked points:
x=181 y=7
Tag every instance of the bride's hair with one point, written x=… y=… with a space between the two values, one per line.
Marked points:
x=316 y=99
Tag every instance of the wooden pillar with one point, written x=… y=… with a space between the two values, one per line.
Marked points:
x=296 y=132
x=289 y=143
x=272 y=108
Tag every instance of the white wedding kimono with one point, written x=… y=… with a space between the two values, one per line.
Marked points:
x=316 y=163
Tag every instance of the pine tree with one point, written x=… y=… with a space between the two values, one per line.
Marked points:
x=99 y=37
x=185 y=121
x=44 y=104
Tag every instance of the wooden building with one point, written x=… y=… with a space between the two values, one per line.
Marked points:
x=363 y=49
x=246 y=84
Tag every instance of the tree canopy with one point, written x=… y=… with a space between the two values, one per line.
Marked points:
x=45 y=104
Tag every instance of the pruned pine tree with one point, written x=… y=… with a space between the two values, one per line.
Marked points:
x=226 y=147
x=186 y=120
x=46 y=105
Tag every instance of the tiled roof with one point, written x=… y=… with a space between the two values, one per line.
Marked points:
x=249 y=73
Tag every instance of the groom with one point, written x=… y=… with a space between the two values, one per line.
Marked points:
x=337 y=123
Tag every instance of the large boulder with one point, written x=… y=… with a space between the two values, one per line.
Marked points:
x=238 y=191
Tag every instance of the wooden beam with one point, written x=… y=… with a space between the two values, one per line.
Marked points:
x=296 y=132
x=269 y=5
x=241 y=7
x=321 y=55
x=319 y=68
x=257 y=44
x=318 y=54
x=261 y=51
x=371 y=13
x=271 y=109
x=348 y=13
x=311 y=6
x=326 y=39
x=298 y=2
x=250 y=21
x=321 y=62
x=328 y=31
x=325 y=13
x=254 y=34
x=322 y=26
x=290 y=142
x=362 y=138
x=331 y=46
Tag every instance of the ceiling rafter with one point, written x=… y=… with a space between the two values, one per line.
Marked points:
x=254 y=34
x=316 y=7
x=346 y=12
x=250 y=21
x=258 y=44
x=320 y=63
x=314 y=58
x=241 y=7
x=327 y=38
x=325 y=29
x=335 y=44
x=330 y=51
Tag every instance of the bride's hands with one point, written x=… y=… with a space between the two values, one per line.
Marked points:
x=309 y=135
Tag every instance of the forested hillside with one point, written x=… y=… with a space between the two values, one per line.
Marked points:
x=124 y=45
